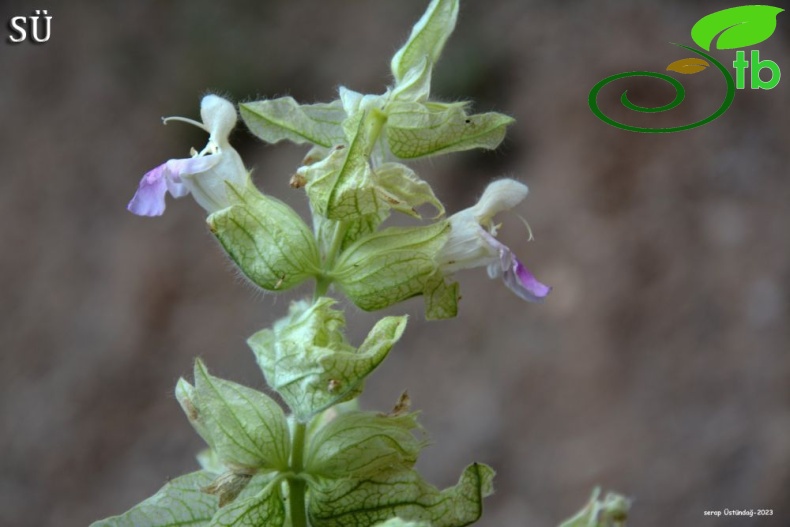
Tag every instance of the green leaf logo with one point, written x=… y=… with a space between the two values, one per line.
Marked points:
x=738 y=27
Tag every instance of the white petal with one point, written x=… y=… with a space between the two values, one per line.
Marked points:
x=468 y=245
x=499 y=196
x=210 y=187
x=178 y=168
x=219 y=116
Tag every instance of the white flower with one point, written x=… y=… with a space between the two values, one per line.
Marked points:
x=209 y=175
x=473 y=242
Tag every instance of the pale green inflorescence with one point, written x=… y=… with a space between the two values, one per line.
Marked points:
x=326 y=463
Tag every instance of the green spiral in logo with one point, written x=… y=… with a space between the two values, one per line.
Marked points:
x=680 y=94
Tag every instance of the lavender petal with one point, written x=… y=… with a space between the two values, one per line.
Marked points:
x=523 y=283
x=149 y=200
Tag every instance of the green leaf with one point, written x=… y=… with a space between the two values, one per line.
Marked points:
x=612 y=511
x=276 y=119
x=363 y=226
x=266 y=508
x=399 y=187
x=403 y=494
x=418 y=130
x=739 y=27
x=441 y=298
x=427 y=38
x=179 y=503
x=363 y=444
x=391 y=265
x=268 y=241
x=306 y=358
x=245 y=428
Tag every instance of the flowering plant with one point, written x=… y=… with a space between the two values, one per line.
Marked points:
x=326 y=463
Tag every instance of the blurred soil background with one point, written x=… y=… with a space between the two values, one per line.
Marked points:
x=658 y=366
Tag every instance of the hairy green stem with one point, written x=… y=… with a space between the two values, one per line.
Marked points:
x=374 y=123
x=337 y=240
x=321 y=287
x=324 y=281
x=296 y=485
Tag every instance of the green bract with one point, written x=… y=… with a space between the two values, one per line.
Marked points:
x=391 y=265
x=179 y=503
x=362 y=444
x=409 y=126
x=278 y=119
x=245 y=428
x=266 y=508
x=340 y=186
x=419 y=130
x=268 y=241
x=340 y=189
x=306 y=358
x=196 y=500
x=402 y=494
x=427 y=38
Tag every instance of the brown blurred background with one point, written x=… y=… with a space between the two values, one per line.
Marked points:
x=658 y=367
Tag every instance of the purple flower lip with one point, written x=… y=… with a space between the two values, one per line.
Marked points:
x=515 y=274
x=149 y=200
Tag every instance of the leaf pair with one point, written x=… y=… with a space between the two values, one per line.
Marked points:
x=388 y=499
x=444 y=127
x=358 y=466
x=250 y=445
